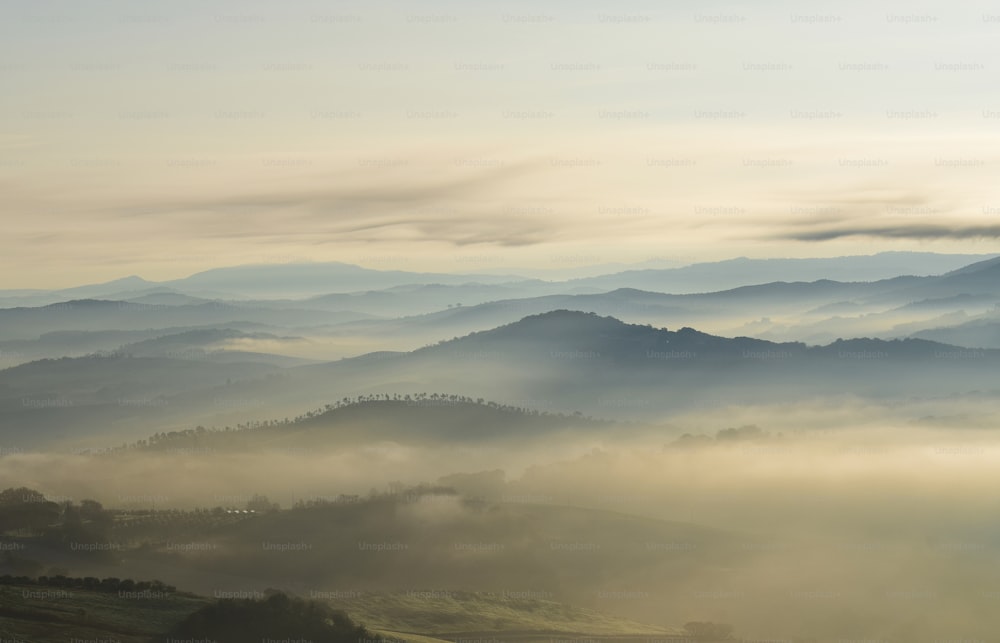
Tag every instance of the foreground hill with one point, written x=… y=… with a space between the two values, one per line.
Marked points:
x=50 y=614
x=508 y=615
x=47 y=613
x=432 y=544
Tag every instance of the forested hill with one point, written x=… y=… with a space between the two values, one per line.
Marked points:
x=419 y=418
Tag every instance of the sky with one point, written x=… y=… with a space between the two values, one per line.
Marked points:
x=164 y=139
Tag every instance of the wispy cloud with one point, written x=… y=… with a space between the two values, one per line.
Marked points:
x=451 y=206
x=879 y=212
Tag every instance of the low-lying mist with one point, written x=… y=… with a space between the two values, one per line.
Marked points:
x=841 y=451
x=837 y=519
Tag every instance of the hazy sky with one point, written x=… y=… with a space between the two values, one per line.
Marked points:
x=165 y=138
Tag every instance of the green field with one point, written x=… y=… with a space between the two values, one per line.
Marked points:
x=42 y=614
x=39 y=614
x=450 y=615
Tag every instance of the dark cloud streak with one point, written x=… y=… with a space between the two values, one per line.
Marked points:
x=911 y=231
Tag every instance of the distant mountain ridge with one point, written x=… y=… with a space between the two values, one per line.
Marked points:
x=302 y=280
x=743 y=271
x=100 y=315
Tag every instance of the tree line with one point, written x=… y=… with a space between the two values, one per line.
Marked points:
x=170 y=439
x=90 y=583
x=26 y=512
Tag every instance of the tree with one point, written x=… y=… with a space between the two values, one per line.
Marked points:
x=97 y=519
x=26 y=510
x=20 y=495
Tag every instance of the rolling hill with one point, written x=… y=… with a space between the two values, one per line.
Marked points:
x=562 y=361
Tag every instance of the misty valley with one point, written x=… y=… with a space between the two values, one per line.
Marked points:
x=475 y=460
x=337 y=321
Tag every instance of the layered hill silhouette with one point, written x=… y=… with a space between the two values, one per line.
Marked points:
x=559 y=361
x=604 y=367
x=816 y=311
x=403 y=316
x=295 y=279
x=103 y=315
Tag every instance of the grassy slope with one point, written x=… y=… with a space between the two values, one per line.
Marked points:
x=525 y=560
x=446 y=614
x=415 y=617
x=82 y=614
